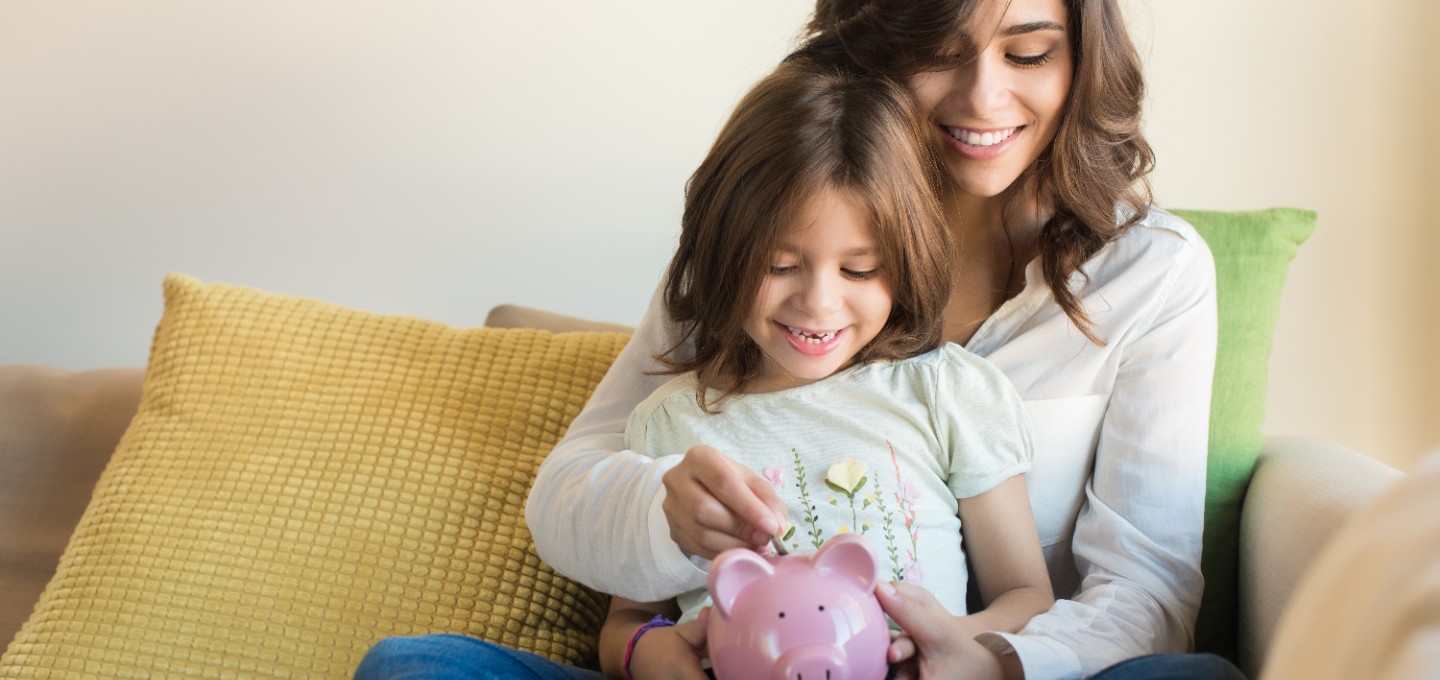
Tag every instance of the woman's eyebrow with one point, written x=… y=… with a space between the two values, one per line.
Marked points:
x=1033 y=26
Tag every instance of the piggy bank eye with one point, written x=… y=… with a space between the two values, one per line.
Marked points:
x=782 y=615
x=822 y=607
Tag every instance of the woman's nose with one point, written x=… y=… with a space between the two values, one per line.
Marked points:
x=982 y=86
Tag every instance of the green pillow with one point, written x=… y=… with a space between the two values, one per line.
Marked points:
x=1252 y=252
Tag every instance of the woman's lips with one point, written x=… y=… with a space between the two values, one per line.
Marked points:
x=981 y=145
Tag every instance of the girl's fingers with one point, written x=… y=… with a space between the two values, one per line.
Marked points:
x=693 y=632
x=712 y=504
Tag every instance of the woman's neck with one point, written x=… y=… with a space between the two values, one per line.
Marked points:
x=995 y=238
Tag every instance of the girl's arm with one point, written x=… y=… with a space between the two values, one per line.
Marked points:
x=670 y=651
x=1003 y=547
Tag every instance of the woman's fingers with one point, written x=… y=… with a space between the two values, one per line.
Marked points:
x=712 y=504
x=902 y=648
x=926 y=622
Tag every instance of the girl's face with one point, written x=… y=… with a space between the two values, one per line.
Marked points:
x=993 y=115
x=826 y=295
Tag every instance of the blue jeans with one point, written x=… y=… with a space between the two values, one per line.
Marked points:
x=457 y=656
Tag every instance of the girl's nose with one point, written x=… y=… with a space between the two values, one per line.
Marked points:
x=819 y=294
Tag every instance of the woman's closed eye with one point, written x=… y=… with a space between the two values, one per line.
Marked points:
x=1030 y=59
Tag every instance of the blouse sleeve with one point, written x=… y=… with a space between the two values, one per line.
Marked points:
x=1138 y=537
x=595 y=509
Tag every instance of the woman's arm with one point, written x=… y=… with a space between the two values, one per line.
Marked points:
x=594 y=509
x=1137 y=540
x=605 y=516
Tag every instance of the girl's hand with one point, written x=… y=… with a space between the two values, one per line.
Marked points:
x=935 y=643
x=713 y=503
x=671 y=653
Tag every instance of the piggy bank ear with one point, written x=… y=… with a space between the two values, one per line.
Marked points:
x=851 y=555
x=733 y=571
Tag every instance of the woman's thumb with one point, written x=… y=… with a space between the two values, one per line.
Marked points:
x=911 y=613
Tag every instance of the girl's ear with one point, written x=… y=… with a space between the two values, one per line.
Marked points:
x=850 y=555
x=732 y=572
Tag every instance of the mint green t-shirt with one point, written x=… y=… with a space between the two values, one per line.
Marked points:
x=881 y=449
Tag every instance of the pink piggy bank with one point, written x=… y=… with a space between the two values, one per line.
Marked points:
x=798 y=617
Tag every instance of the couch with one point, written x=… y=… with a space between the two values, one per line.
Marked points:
x=288 y=481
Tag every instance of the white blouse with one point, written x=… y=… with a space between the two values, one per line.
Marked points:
x=1117 y=483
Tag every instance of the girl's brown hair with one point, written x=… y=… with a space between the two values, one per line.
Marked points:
x=1094 y=175
x=805 y=128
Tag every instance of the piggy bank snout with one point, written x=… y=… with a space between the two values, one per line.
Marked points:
x=811 y=662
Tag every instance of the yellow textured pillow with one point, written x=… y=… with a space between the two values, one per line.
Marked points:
x=302 y=480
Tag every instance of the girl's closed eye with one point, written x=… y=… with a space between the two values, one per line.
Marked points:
x=860 y=274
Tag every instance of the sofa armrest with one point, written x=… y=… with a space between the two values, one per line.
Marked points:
x=57 y=431
x=517 y=316
x=1303 y=489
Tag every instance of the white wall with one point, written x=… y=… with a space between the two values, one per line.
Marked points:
x=432 y=158
x=435 y=158
x=1328 y=106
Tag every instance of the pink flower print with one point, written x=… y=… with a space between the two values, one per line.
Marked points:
x=775 y=476
x=909 y=493
x=914 y=575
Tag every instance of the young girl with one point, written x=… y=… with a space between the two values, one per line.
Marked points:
x=810 y=279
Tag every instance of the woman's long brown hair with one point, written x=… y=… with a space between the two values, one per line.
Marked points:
x=1095 y=174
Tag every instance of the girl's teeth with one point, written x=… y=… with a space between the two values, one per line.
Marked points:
x=811 y=338
x=981 y=138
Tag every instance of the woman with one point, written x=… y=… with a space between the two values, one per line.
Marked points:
x=1099 y=308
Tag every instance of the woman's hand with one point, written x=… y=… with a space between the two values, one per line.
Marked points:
x=671 y=653
x=713 y=504
x=935 y=643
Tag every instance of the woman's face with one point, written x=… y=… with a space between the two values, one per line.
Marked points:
x=993 y=115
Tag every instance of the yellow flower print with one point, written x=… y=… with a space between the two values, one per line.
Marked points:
x=848 y=475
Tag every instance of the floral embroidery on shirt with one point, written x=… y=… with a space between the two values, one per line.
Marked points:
x=775 y=475
x=847 y=477
x=905 y=496
x=851 y=480
x=817 y=538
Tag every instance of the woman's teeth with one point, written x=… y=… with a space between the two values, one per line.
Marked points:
x=981 y=138
x=812 y=338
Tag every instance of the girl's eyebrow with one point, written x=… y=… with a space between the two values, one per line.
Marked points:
x=1032 y=27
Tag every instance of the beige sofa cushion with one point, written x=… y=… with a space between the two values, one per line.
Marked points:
x=57 y=430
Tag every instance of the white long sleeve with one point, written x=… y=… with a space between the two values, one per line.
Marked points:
x=594 y=509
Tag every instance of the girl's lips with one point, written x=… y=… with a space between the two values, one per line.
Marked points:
x=981 y=153
x=811 y=344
